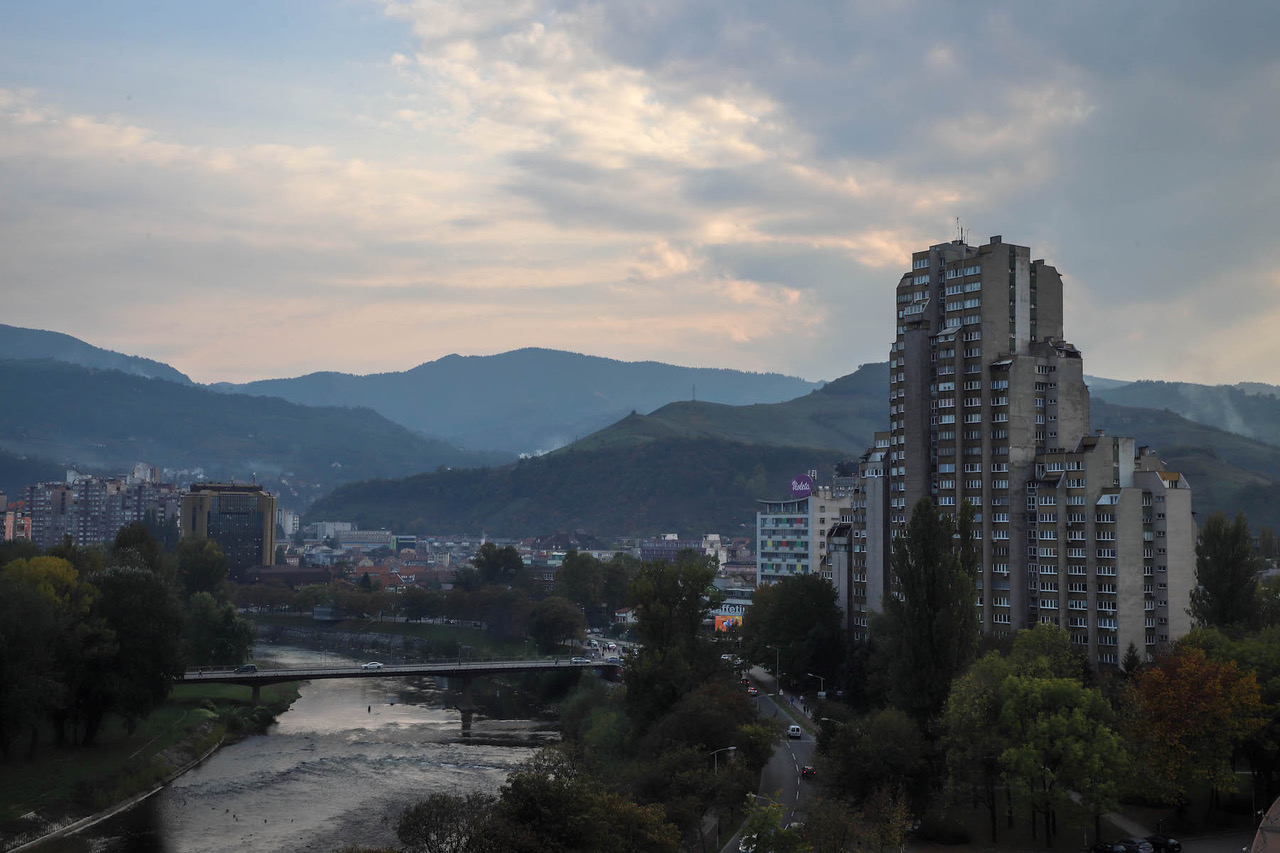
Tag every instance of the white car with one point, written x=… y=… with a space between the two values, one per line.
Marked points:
x=373 y=664
x=795 y=731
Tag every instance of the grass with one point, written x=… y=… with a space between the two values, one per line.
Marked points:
x=73 y=780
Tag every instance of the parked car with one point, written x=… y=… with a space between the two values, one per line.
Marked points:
x=1136 y=845
x=248 y=667
x=1165 y=844
x=796 y=731
x=1107 y=847
x=373 y=664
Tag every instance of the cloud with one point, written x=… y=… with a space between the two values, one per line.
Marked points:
x=730 y=184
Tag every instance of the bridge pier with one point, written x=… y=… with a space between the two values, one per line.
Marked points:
x=255 y=699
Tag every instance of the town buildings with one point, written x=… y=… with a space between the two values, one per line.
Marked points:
x=91 y=510
x=988 y=407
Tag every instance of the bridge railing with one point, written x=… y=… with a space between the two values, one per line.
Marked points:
x=461 y=660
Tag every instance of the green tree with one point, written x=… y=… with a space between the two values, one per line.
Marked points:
x=1226 y=575
x=555 y=621
x=882 y=751
x=201 y=566
x=1046 y=651
x=672 y=600
x=580 y=579
x=136 y=542
x=1060 y=739
x=928 y=633
x=142 y=613
x=497 y=565
x=29 y=687
x=800 y=617
x=419 y=603
x=213 y=633
x=550 y=805
x=972 y=740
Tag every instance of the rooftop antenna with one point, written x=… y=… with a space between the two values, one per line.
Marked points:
x=959 y=231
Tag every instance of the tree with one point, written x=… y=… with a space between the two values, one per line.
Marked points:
x=972 y=740
x=801 y=618
x=445 y=823
x=137 y=540
x=929 y=631
x=672 y=600
x=497 y=565
x=213 y=633
x=882 y=751
x=201 y=566
x=1060 y=740
x=1226 y=575
x=1194 y=713
x=144 y=616
x=550 y=805
x=29 y=687
x=554 y=621
x=419 y=603
x=1046 y=651
x=580 y=579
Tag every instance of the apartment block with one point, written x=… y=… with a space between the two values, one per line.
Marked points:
x=988 y=407
x=792 y=535
x=91 y=510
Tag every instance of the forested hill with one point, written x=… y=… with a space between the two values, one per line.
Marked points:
x=696 y=467
x=687 y=486
x=106 y=420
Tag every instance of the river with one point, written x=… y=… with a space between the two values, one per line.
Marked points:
x=336 y=769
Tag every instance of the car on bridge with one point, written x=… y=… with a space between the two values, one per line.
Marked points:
x=248 y=667
x=579 y=660
x=373 y=664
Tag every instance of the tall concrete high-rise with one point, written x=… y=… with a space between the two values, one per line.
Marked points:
x=988 y=406
x=240 y=518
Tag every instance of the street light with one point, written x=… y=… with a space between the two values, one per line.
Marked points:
x=822 y=685
x=777 y=670
x=715 y=759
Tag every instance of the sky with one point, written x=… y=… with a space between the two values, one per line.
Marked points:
x=252 y=190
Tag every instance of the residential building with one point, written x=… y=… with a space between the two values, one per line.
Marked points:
x=988 y=407
x=791 y=535
x=240 y=518
x=91 y=510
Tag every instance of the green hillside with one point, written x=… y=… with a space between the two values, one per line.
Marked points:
x=107 y=420
x=1252 y=411
x=697 y=467
x=844 y=414
x=687 y=486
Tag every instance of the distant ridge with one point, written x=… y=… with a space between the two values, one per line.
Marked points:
x=34 y=344
x=527 y=400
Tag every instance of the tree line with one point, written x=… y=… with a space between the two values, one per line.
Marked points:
x=87 y=632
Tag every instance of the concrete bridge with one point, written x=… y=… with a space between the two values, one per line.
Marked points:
x=457 y=668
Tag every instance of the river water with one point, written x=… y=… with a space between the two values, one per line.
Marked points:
x=336 y=769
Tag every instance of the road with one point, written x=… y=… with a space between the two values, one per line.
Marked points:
x=781 y=781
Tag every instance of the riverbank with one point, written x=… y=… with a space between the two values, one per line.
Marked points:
x=66 y=789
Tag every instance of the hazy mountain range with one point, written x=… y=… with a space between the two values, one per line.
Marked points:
x=635 y=426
